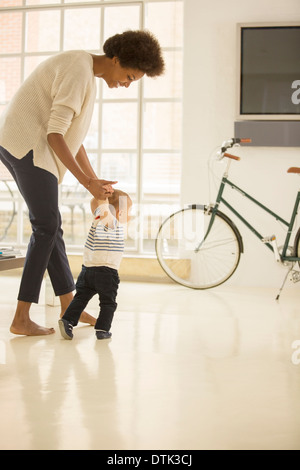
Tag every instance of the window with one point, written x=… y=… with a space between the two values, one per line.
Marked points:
x=135 y=134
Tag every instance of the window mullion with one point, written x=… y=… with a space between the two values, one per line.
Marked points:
x=140 y=147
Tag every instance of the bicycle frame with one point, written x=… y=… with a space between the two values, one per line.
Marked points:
x=220 y=199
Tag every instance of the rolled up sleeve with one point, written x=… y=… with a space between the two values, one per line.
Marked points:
x=60 y=119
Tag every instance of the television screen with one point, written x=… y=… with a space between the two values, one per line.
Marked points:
x=270 y=71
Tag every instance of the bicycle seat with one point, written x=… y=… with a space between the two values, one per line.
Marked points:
x=294 y=169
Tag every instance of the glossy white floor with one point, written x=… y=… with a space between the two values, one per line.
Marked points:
x=184 y=370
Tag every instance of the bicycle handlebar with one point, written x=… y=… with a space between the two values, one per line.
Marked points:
x=229 y=144
x=233 y=157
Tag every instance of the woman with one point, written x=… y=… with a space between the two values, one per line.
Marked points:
x=41 y=135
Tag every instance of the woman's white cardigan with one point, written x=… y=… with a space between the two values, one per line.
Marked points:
x=57 y=97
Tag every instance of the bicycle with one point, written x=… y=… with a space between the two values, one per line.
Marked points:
x=200 y=247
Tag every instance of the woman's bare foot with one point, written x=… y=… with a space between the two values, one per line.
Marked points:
x=87 y=318
x=23 y=325
x=84 y=318
x=29 y=328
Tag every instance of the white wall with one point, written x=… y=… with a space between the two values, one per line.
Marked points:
x=209 y=107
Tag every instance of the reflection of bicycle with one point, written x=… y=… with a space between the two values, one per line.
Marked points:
x=200 y=247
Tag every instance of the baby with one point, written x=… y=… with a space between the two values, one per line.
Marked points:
x=102 y=256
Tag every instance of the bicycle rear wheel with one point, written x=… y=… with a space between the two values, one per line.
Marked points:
x=192 y=260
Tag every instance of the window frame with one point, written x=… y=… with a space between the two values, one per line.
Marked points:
x=140 y=100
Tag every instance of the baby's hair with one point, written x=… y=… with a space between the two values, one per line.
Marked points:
x=116 y=199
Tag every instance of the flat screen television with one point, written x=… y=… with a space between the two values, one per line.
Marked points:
x=268 y=71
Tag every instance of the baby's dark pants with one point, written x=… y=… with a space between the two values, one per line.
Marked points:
x=100 y=280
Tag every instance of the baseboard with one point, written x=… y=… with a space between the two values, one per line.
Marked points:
x=131 y=269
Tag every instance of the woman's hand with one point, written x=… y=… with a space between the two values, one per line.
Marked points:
x=80 y=167
x=100 y=189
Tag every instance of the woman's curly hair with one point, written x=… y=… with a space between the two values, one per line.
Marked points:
x=137 y=50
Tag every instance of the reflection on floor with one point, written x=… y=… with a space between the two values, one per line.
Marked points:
x=185 y=369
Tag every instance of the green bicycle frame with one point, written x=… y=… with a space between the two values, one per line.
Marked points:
x=289 y=224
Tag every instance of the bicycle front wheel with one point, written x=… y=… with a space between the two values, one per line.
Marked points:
x=193 y=258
